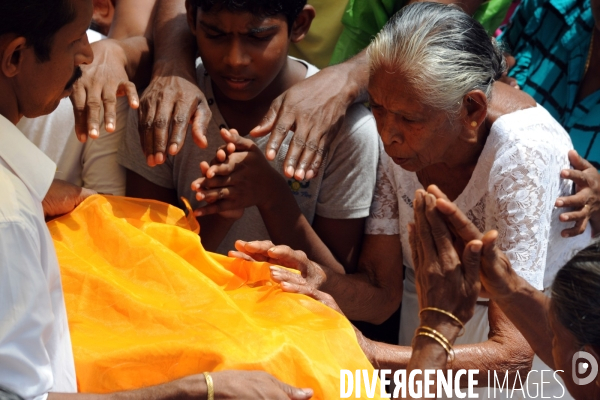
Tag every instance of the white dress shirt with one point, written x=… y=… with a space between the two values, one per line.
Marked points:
x=36 y=356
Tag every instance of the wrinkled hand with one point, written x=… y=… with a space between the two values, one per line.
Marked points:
x=102 y=82
x=63 y=197
x=587 y=199
x=312 y=274
x=444 y=280
x=496 y=274
x=314 y=110
x=230 y=180
x=254 y=385
x=510 y=62
x=167 y=106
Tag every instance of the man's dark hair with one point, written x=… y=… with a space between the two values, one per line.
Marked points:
x=37 y=21
x=263 y=8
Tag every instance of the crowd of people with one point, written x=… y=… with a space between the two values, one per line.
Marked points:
x=430 y=168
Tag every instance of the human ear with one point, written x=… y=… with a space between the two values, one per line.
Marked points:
x=191 y=15
x=475 y=105
x=104 y=12
x=595 y=352
x=302 y=23
x=12 y=56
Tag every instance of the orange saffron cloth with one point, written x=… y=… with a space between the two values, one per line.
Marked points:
x=147 y=305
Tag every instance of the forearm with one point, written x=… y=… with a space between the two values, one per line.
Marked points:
x=192 y=387
x=360 y=299
x=527 y=308
x=486 y=356
x=132 y=18
x=287 y=225
x=356 y=71
x=174 y=44
x=138 y=56
x=213 y=229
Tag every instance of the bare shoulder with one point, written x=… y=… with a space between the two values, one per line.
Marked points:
x=506 y=100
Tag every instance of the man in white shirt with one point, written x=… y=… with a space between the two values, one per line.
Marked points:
x=42 y=45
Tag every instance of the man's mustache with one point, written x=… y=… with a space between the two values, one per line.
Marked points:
x=76 y=75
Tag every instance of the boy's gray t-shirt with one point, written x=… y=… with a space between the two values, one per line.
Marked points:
x=342 y=190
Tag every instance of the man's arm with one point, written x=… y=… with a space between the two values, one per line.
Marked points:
x=132 y=18
x=106 y=78
x=343 y=237
x=315 y=107
x=372 y=294
x=172 y=98
x=142 y=188
x=241 y=385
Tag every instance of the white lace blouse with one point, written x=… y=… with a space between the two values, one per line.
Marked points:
x=513 y=189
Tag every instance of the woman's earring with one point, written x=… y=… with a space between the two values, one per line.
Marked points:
x=474 y=124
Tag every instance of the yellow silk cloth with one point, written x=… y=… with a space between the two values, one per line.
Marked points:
x=147 y=304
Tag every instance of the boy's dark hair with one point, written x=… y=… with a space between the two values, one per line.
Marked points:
x=264 y=8
x=37 y=21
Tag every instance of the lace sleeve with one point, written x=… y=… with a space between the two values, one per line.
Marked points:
x=383 y=218
x=524 y=185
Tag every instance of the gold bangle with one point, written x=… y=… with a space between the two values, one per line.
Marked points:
x=462 y=331
x=436 y=333
x=210 y=387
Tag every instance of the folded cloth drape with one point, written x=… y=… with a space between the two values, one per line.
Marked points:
x=147 y=304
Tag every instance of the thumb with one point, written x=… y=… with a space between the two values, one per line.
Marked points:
x=578 y=162
x=472 y=260
x=296 y=393
x=232 y=136
x=489 y=254
x=268 y=122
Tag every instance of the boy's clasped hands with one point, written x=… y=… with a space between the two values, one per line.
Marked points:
x=238 y=177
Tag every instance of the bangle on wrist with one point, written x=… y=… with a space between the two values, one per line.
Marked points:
x=448 y=314
x=209 y=386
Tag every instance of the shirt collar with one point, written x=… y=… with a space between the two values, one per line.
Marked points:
x=27 y=162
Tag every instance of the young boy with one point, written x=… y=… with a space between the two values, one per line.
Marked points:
x=244 y=66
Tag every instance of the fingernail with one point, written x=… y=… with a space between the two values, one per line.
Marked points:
x=198 y=213
x=564 y=217
x=299 y=174
x=289 y=171
x=564 y=234
x=110 y=126
x=150 y=159
x=199 y=196
x=309 y=174
x=173 y=149
x=255 y=128
x=135 y=103
x=560 y=203
x=409 y=227
x=159 y=157
x=271 y=154
x=94 y=133
x=285 y=284
x=476 y=247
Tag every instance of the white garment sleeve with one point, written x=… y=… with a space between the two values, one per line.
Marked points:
x=524 y=186
x=25 y=313
x=384 y=216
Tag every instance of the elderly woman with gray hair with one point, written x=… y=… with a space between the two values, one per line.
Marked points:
x=445 y=120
